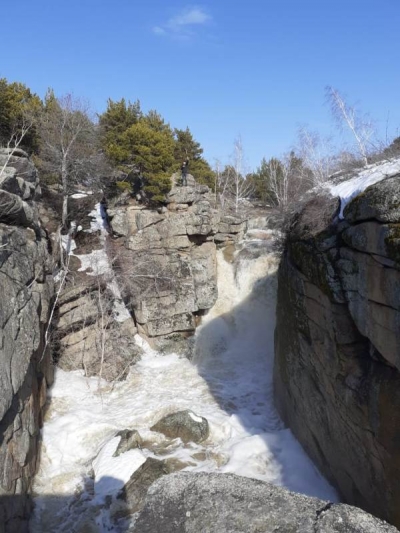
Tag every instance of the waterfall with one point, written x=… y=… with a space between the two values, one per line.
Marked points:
x=229 y=381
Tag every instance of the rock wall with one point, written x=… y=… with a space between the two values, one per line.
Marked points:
x=166 y=258
x=26 y=290
x=92 y=330
x=337 y=379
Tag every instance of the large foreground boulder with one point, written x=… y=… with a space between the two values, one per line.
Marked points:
x=225 y=503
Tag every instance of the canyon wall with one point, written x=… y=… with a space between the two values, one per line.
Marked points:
x=337 y=368
x=26 y=289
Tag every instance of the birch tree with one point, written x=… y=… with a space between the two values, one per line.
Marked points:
x=317 y=154
x=237 y=185
x=347 y=116
x=65 y=130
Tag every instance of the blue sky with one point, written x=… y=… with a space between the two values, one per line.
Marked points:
x=255 y=68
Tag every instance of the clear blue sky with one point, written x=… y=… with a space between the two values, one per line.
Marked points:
x=257 y=68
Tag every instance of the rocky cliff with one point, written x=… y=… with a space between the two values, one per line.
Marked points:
x=166 y=259
x=337 y=379
x=26 y=289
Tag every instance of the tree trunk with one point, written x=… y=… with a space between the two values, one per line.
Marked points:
x=64 y=179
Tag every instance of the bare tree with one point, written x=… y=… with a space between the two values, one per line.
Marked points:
x=221 y=184
x=17 y=136
x=278 y=182
x=347 y=116
x=66 y=133
x=237 y=185
x=318 y=155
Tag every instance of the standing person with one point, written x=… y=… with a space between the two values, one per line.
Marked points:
x=184 y=169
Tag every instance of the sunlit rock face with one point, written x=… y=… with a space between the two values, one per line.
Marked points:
x=26 y=290
x=231 y=504
x=337 y=379
x=167 y=259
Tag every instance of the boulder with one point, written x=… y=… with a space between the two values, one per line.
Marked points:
x=135 y=490
x=379 y=202
x=185 y=425
x=130 y=440
x=225 y=503
x=15 y=212
x=20 y=176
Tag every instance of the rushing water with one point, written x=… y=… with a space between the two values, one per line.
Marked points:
x=229 y=382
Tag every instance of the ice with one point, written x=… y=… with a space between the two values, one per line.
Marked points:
x=347 y=190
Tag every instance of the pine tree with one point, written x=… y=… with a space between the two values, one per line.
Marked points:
x=19 y=106
x=113 y=123
x=151 y=154
x=187 y=148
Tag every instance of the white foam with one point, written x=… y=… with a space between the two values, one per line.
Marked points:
x=229 y=383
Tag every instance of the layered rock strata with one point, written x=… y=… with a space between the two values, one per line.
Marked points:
x=337 y=369
x=166 y=258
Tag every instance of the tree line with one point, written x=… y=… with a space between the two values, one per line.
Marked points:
x=71 y=145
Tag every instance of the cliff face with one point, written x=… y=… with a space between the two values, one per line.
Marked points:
x=25 y=365
x=166 y=259
x=337 y=379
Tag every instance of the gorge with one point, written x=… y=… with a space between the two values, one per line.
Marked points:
x=199 y=339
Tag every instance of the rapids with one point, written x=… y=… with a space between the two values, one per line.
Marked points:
x=228 y=381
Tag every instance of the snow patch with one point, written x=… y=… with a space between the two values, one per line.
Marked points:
x=347 y=190
x=79 y=195
x=195 y=417
x=112 y=473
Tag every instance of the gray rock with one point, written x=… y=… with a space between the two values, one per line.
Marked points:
x=337 y=348
x=185 y=425
x=380 y=202
x=225 y=503
x=204 y=271
x=130 y=439
x=16 y=212
x=135 y=490
x=25 y=366
x=20 y=176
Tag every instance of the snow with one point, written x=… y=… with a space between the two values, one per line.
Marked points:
x=114 y=472
x=195 y=417
x=229 y=383
x=79 y=195
x=370 y=175
x=97 y=263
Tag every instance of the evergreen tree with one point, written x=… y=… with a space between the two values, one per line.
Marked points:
x=113 y=123
x=19 y=110
x=187 y=148
x=151 y=154
x=156 y=122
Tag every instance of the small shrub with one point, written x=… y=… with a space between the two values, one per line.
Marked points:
x=124 y=186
